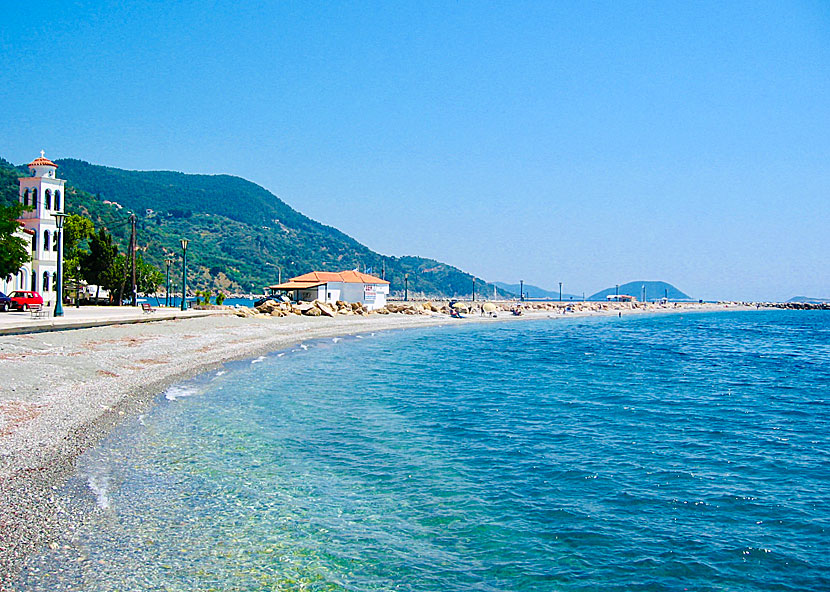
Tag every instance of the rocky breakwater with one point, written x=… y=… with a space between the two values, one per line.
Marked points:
x=791 y=305
x=318 y=308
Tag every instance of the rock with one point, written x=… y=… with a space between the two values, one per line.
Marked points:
x=302 y=307
x=312 y=312
x=324 y=308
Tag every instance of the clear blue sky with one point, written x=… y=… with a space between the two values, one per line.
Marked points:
x=588 y=143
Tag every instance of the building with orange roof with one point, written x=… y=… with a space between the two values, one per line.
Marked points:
x=329 y=286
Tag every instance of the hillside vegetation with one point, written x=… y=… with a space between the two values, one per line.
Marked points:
x=241 y=235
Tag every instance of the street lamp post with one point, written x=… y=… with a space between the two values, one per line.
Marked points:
x=560 y=291
x=184 y=273
x=522 y=290
x=474 y=289
x=59 y=217
x=406 y=287
x=168 y=261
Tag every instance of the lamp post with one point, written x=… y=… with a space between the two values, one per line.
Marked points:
x=184 y=273
x=59 y=217
x=168 y=261
x=560 y=291
x=474 y=289
x=617 y=290
x=522 y=290
x=406 y=287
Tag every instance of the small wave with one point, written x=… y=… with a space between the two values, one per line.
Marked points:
x=221 y=372
x=99 y=485
x=304 y=346
x=179 y=391
x=281 y=354
x=335 y=339
x=258 y=360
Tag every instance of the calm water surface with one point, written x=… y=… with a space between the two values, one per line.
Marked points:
x=641 y=453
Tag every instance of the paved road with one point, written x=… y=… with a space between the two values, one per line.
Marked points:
x=13 y=323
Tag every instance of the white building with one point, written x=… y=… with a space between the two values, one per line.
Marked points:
x=44 y=193
x=327 y=286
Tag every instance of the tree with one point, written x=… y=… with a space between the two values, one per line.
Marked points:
x=76 y=230
x=14 y=250
x=97 y=264
x=147 y=277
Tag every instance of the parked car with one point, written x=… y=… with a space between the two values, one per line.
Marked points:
x=5 y=302
x=24 y=299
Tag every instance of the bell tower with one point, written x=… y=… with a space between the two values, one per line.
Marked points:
x=43 y=192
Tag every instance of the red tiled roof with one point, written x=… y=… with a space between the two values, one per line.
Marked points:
x=316 y=278
x=40 y=161
x=348 y=277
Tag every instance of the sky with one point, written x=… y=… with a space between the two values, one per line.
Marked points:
x=588 y=143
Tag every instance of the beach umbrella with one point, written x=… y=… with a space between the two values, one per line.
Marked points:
x=459 y=305
x=489 y=307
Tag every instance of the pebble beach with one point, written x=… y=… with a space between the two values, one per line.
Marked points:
x=62 y=391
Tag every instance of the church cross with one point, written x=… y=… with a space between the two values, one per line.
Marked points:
x=42 y=153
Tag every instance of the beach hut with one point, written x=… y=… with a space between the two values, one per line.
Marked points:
x=329 y=287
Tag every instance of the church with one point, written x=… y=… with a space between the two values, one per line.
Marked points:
x=44 y=195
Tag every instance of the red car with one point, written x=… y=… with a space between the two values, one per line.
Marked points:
x=23 y=299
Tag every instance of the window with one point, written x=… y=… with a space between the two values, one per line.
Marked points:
x=45 y=240
x=34 y=243
x=55 y=280
x=45 y=281
x=34 y=197
x=55 y=240
x=57 y=200
x=26 y=197
x=34 y=281
x=47 y=199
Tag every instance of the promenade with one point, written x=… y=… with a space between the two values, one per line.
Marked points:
x=15 y=323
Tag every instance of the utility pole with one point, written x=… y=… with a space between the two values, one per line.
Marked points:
x=522 y=290
x=560 y=291
x=474 y=289
x=132 y=257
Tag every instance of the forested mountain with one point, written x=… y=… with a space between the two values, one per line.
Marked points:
x=653 y=290
x=241 y=235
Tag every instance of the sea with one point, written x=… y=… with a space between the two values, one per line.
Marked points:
x=664 y=452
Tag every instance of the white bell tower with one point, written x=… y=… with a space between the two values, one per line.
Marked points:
x=44 y=193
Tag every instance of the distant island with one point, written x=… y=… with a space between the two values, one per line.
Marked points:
x=532 y=291
x=653 y=291
x=808 y=299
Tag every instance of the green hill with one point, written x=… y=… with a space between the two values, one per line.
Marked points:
x=654 y=291
x=241 y=235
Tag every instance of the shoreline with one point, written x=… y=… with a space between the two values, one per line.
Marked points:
x=63 y=392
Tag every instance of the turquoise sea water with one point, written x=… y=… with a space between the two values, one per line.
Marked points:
x=677 y=452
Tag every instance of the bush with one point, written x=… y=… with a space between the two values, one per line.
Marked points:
x=220 y=298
